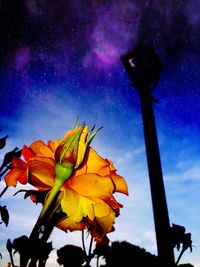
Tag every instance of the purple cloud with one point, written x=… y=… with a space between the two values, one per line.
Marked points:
x=115 y=31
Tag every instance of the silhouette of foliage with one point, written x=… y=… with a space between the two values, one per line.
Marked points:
x=9 y=157
x=5 y=166
x=3 y=141
x=4 y=215
x=71 y=256
x=186 y=265
x=3 y=210
x=37 y=250
x=122 y=254
x=178 y=237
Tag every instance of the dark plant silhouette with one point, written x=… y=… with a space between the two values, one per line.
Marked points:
x=118 y=254
x=4 y=215
x=75 y=256
x=186 y=265
x=8 y=159
x=3 y=210
x=36 y=250
x=70 y=256
x=3 y=141
x=5 y=166
x=180 y=238
x=122 y=254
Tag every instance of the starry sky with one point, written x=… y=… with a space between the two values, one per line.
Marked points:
x=61 y=59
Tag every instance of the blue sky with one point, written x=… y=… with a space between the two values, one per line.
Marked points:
x=48 y=115
x=71 y=70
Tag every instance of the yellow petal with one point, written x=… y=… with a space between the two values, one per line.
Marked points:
x=120 y=184
x=106 y=222
x=70 y=225
x=101 y=209
x=101 y=225
x=92 y=185
x=76 y=207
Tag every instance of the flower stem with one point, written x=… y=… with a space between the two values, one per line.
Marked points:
x=52 y=194
x=11 y=259
x=90 y=247
x=83 y=243
x=44 y=212
x=179 y=257
x=97 y=265
x=3 y=191
x=4 y=171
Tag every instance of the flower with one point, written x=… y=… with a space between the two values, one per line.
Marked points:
x=18 y=173
x=87 y=180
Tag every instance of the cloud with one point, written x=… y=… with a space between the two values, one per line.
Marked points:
x=185 y=171
x=114 y=32
x=150 y=237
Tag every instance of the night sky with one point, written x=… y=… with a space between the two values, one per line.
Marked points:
x=61 y=59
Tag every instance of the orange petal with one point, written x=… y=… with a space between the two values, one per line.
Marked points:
x=18 y=163
x=46 y=151
x=120 y=184
x=27 y=153
x=12 y=177
x=35 y=146
x=23 y=177
x=51 y=144
x=92 y=185
x=43 y=171
x=112 y=168
x=76 y=172
x=96 y=164
x=34 y=181
x=46 y=160
x=102 y=240
x=70 y=133
x=114 y=204
x=79 y=171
